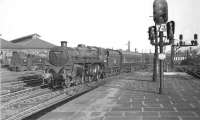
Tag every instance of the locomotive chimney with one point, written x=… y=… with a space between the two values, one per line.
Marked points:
x=63 y=43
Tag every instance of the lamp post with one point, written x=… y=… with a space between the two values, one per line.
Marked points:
x=157 y=37
x=181 y=44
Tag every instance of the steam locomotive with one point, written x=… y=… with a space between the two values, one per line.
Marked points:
x=73 y=66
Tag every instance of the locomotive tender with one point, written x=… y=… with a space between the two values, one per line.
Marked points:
x=73 y=66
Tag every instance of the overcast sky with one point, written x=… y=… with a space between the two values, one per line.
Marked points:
x=104 y=23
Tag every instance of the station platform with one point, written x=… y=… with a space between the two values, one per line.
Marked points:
x=133 y=96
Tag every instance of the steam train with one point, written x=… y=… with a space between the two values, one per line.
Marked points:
x=73 y=66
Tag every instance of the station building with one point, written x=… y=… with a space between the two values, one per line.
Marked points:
x=26 y=45
x=32 y=44
x=6 y=50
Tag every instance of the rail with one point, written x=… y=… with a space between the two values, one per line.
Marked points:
x=36 y=104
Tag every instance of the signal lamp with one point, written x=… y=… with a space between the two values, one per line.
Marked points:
x=195 y=36
x=152 y=33
x=170 y=30
x=181 y=38
x=195 y=39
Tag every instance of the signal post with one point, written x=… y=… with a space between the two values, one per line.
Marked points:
x=181 y=44
x=158 y=38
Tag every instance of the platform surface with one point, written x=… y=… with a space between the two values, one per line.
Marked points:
x=135 y=97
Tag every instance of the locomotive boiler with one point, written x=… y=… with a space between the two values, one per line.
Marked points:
x=73 y=66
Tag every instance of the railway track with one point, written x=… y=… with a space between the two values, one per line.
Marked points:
x=18 y=85
x=13 y=94
x=191 y=70
x=15 y=108
x=194 y=73
x=15 y=86
x=20 y=81
x=24 y=96
x=23 y=107
x=11 y=83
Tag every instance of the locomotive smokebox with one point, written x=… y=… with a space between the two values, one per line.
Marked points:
x=63 y=43
x=160 y=11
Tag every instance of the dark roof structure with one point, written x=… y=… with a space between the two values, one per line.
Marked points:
x=8 y=45
x=32 y=42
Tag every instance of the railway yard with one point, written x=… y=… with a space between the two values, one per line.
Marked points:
x=126 y=96
x=21 y=98
x=90 y=75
